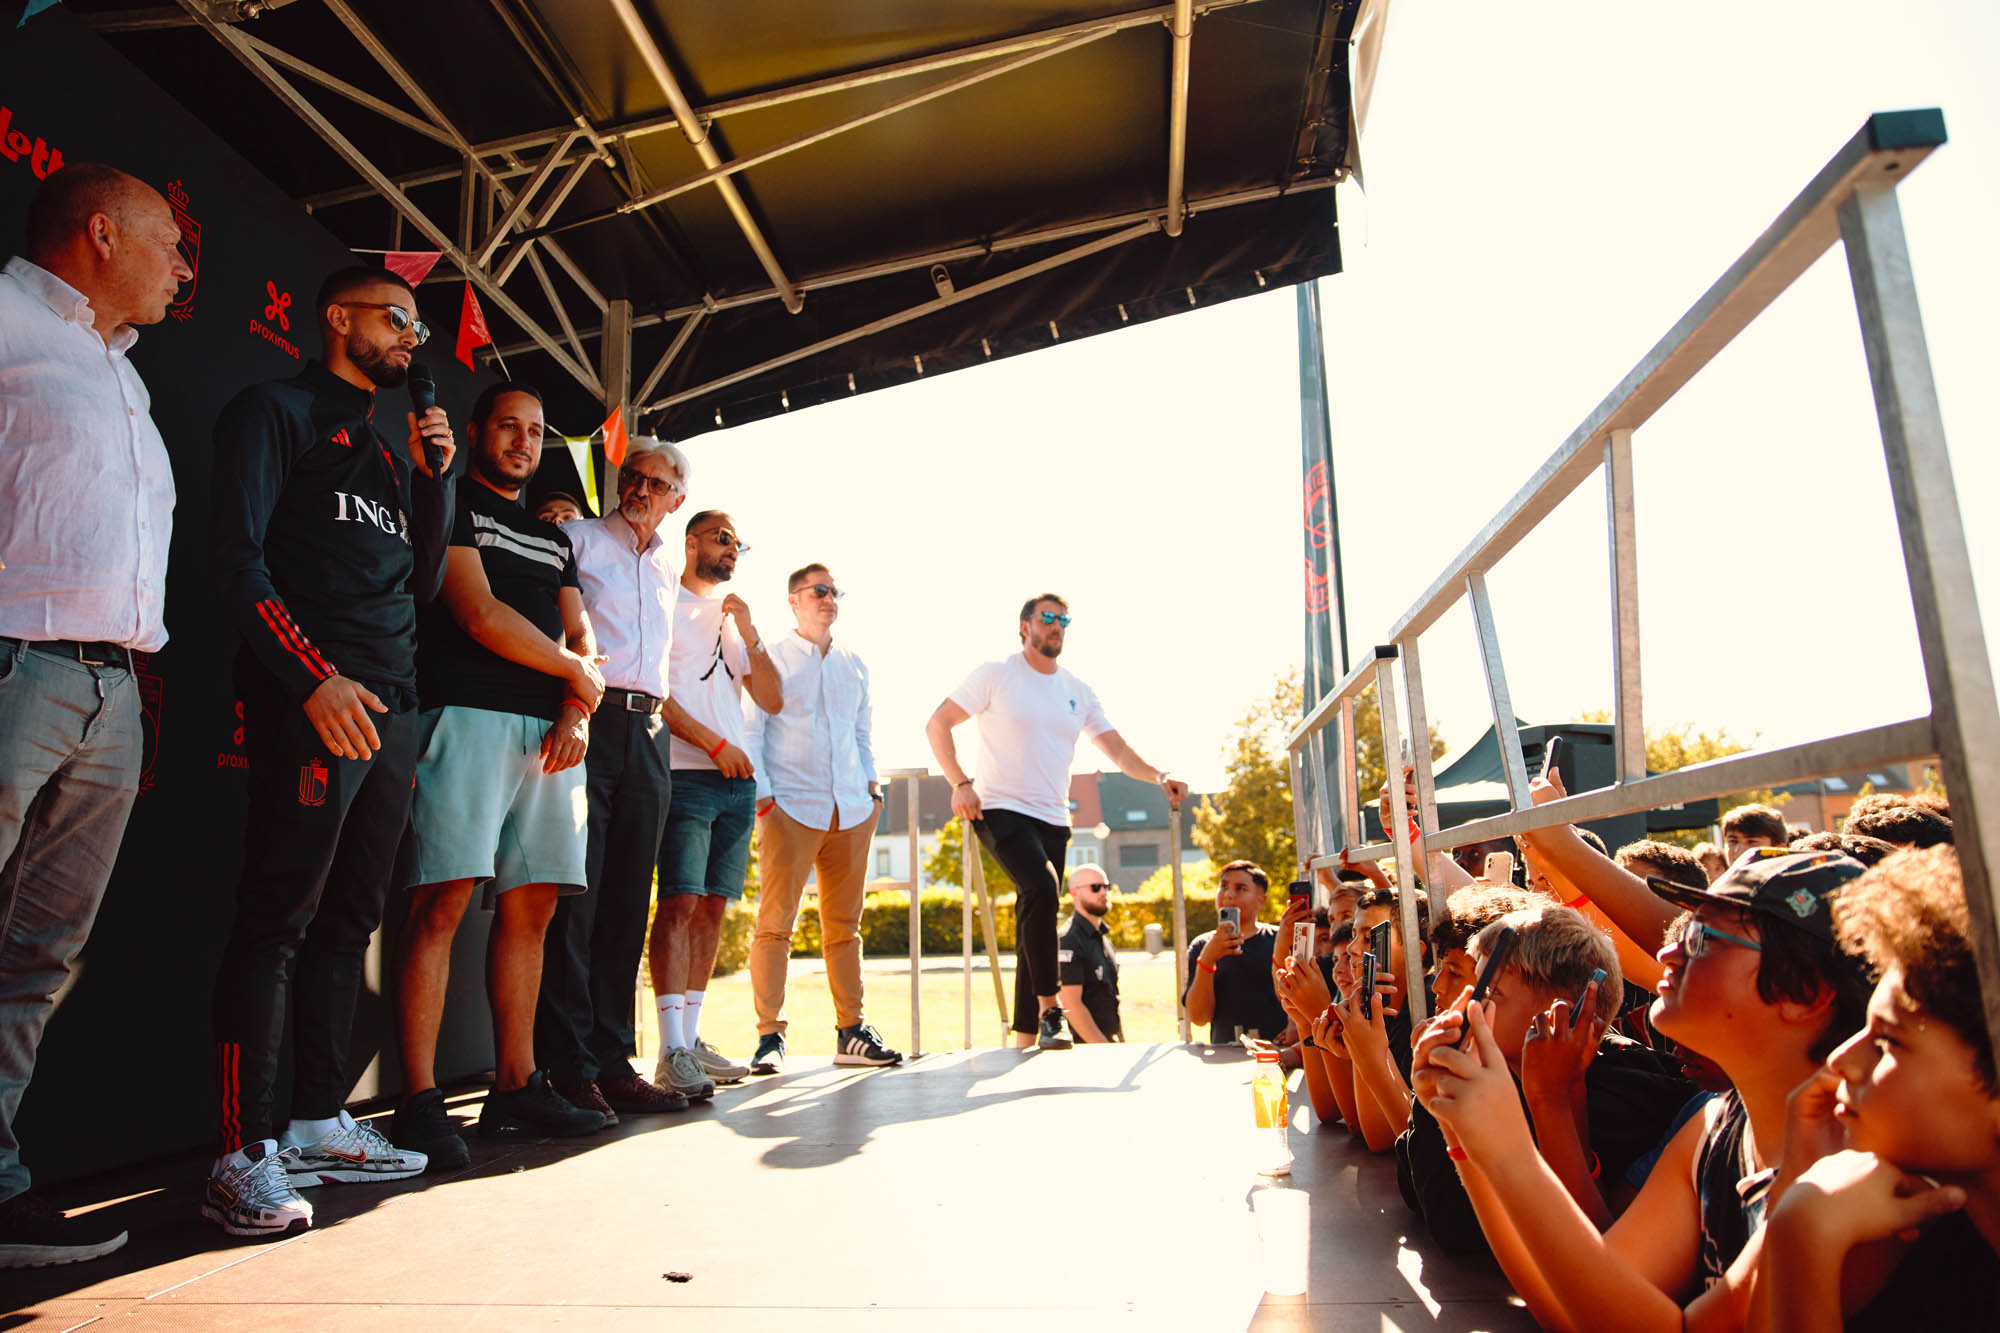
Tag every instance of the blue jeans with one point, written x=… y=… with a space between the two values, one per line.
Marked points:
x=70 y=744
x=706 y=848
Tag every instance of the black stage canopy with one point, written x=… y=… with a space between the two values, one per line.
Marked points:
x=718 y=212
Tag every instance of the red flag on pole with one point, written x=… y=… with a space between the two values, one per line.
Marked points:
x=412 y=266
x=471 y=327
x=614 y=436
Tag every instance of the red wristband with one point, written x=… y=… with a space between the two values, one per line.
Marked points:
x=1206 y=967
x=1578 y=901
x=573 y=702
x=720 y=746
x=1456 y=1154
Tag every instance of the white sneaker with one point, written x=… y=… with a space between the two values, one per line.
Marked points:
x=717 y=1065
x=351 y=1154
x=249 y=1193
x=678 y=1069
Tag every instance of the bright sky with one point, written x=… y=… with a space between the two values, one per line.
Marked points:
x=1549 y=188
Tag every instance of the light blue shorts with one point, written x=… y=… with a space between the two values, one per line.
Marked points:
x=484 y=810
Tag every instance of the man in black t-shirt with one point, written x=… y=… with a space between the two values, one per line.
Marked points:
x=326 y=538
x=1085 y=961
x=1229 y=969
x=508 y=683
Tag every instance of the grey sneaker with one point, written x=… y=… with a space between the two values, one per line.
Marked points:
x=351 y=1154
x=1051 y=1037
x=717 y=1065
x=679 y=1071
x=249 y=1193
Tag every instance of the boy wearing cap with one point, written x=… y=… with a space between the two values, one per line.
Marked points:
x=1753 y=980
x=1908 y=1216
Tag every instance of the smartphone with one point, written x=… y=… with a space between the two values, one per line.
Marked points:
x=1378 y=947
x=1499 y=868
x=1302 y=942
x=1550 y=754
x=1368 y=985
x=1596 y=979
x=1231 y=917
x=1503 y=949
x=1302 y=890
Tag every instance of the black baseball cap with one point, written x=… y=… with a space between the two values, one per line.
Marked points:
x=1796 y=888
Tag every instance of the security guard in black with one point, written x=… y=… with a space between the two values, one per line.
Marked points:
x=1084 y=958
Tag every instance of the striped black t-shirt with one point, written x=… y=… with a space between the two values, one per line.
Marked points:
x=527 y=563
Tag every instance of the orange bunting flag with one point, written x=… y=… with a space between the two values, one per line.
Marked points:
x=471 y=328
x=614 y=436
x=412 y=266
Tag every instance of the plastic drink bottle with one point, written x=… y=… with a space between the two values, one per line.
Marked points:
x=1267 y=1089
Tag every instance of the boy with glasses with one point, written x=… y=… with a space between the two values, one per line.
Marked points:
x=816 y=795
x=1030 y=713
x=717 y=655
x=326 y=539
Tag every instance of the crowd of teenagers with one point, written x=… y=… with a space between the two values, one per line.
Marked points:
x=1739 y=1087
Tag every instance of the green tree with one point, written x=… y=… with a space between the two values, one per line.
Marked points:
x=946 y=862
x=1669 y=748
x=1369 y=770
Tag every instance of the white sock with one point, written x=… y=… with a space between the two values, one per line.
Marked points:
x=692 y=1023
x=311 y=1131
x=672 y=1007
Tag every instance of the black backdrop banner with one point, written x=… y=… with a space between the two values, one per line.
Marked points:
x=124 y=1071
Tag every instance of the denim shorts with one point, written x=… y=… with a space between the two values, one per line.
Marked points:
x=484 y=810
x=706 y=848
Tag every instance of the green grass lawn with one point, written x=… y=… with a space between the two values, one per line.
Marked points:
x=729 y=1022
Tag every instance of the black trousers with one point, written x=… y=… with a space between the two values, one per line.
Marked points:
x=319 y=844
x=590 y=961
x=1032 y=854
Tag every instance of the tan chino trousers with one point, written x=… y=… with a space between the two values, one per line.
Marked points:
x=788 y=851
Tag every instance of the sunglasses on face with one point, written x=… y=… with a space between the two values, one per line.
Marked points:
x=399 y=319
x=1697 y=938
x=822 y=591
x=644 y=482
x=1055 y=618
x=728 y=540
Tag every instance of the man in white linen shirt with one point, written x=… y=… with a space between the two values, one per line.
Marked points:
x=86 y=512
x=816 y=795
x=1030 y=713
x=630 y=578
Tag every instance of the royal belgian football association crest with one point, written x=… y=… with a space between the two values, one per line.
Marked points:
x=312 y=783
x=183 y=308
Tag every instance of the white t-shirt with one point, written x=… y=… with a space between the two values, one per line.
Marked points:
x=1028 y=728
x=706 y=667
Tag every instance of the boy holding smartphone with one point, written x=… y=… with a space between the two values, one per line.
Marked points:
x=1229 y=969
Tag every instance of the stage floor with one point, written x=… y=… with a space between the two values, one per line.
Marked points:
x=985 y=1189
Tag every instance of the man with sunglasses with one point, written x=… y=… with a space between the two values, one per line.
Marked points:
x=1031 y=712
x=816 y=795
x=326 y=539
x=717 y=654
x=590 y=966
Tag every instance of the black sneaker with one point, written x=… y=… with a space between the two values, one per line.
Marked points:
x=421 y=1124
x=862 y=1045
x=770 y=1057
x=33 y=1234
x=1052 y=1037
x=537 y=1109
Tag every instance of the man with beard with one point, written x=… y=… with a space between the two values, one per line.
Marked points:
x=508 y=684
x=87 y=506
x=1030 y=713
x=717 y=653
x=326 y=539
x=590 y=967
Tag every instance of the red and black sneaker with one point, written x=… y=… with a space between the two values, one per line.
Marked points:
x=634 y=1095
x=587 y=1096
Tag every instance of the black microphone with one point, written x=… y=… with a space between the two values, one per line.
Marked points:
x=423 y=397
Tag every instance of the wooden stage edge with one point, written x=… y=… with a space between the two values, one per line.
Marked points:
x=969 y=1189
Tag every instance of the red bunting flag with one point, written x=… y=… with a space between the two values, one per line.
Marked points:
x=614 y=436
x=412 y=266
x=471 y=327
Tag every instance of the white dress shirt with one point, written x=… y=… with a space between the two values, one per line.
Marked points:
x=86 y=489
x=629 y=596
x=707 y=668
x=813 y=755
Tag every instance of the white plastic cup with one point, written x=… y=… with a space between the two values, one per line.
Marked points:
x=1284 y=1234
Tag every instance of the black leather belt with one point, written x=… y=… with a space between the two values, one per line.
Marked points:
x=98 y=654
x=631 y=701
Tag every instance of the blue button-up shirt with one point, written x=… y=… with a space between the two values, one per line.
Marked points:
x=814 y=755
